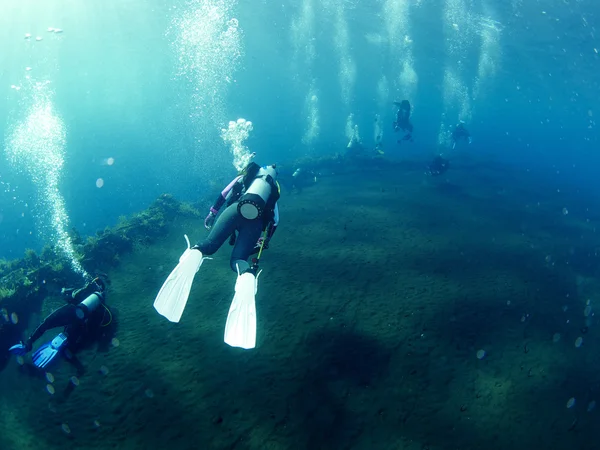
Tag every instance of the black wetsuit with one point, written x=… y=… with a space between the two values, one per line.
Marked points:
x=76 y=319
x=231 y=221
x=403 y=117
x=438 y=166
x=460 y=132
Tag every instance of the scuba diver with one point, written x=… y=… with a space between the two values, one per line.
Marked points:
x=84 y=312
x=402 y=121
x=355 y=147
x=460 y=132
x=302 y=178
x=438 y=166
x=251 y=200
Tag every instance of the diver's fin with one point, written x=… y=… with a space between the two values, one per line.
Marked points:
x=173 y=295
x=240 y=329
x=47 y=352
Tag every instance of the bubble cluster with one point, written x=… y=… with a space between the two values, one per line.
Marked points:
x=207 y=42
x=303 y=40
x=352 y=133
x=235 y=135
x=36 y=146
x=311 y=105
x=341 y=42
x=490 y=51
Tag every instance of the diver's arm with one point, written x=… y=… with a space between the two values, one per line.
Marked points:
x=219 y=202
x=223 y=196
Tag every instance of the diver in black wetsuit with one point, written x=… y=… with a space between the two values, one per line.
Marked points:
x=84 y=313
x=402 y=121
x=251 y=200
x=438 y=166
x=460 y=132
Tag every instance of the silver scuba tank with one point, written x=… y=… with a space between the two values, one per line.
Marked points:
x=89 y=305
x=252 y=204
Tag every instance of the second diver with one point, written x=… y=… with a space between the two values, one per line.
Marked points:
x=251 y=210
x=84 y=313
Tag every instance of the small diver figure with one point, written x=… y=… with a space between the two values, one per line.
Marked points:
x=438 y=166
x=402 y=121
x=460 y=132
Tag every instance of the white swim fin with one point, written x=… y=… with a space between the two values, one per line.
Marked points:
x=240 y=329
x=173 y=295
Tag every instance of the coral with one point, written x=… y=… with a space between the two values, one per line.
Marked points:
x=31 y=258
x=6 y=292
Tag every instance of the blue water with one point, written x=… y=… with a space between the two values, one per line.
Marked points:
x=115 y=76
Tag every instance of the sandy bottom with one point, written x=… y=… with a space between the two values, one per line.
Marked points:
x=377 y=293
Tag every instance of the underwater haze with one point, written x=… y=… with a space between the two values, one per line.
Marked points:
x=150 y=84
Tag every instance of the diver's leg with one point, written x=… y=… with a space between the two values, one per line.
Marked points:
x=248 y=235
x=63 y=316
x=221 y=230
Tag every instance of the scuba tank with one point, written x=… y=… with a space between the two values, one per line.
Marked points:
x=252 y=204
x=89 y=305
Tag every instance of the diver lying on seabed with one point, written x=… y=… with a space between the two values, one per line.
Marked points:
x=84 y=313
x=251 y=200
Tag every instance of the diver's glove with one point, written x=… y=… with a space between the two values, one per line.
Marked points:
x=19 y=349
x=210 y=219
